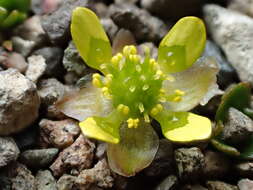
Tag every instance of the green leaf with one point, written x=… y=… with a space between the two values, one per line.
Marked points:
x=184 y=127
x=13 y=18
x=84 y=103
x=237 y=96
x=103 y=128
x=183 y=45
x=21 y=5
x=90 y=38
x=3 y=14
x=136 y=150
x=227 y=149
x=195 y=82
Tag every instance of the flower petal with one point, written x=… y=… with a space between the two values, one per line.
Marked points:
x=103 y=128
x=136 y=150
x=90 y=38
x=183 y=45
x=184 y=127
x=195 y=82
x=85 y=103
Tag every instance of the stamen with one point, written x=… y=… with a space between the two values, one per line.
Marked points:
x=146 y=118
x=123 y=109
x=132 y=88
x=179 y=92
x=141 y=107
x=177 y=99
x=145 y=87
x=130 y=123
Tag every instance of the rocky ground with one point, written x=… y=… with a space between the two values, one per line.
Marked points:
x=40 y=148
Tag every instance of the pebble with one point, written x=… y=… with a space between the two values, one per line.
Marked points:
x=245 y=7
x=219 y=185
x=190 y=163
x=110 y=27
x=66 y=182
x=53 y=57
x=245 y=184
x=141 y=23
x=18 y=97
x=22 y=46
x=244 y=168
x=234 y=36
x=45 y=180
x=56 y=24
x=8 y=151
x=77 y=156
x=227 y=74
x=171 y=9
x=238 y=128
x=36 y=67
x=16 y=61
x=216 y=165
x=38 y=158
x=59 y=134
x=169 y=183
x=99 y=175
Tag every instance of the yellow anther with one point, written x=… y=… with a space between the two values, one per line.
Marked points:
x=96 y=75
x=153 y=63
x=159 y=107
x=106 y=92
x=96 y=82
x=115 y=60
x=126 y=51
x=179 y=92
x=177 y=99
x=130 y=123
x=141 y=107
x=132 y=49
x=136 y=122
x=170 y=78
x=120 y=107
x=119 y=55
x=154 y=111
x=162 y=91
x=125 y=110
x=158 y=74
x=102 y=66
x=108 y=79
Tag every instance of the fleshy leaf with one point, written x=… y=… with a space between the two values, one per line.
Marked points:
x=103 y=128
x=238 y=96
x=13 y=18
x=195 y=82
x=90 y=38
x=184 y=127
x=183 y=45
x=84 y=103
x=227 y=149
x=136 y=150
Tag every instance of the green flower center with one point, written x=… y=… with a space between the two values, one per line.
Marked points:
x=134 y=84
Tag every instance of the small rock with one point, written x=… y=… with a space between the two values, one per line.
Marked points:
x=32 y=30
x=56 y=24
x=238 y=128
x=234 y=36
x=163 y=163
x=50 y=90
x=66 y=182
x=18 y=98
x=53 y=57
x=245 y=7
x=193 y=187
x=110 y=27
x=24 y=47
x=99 y=175
x=16 y=61
x=44 y=6
x=172 y=9
x=60 y=134
x=27 y=139
x=227 y=74
x=8 y=151
x=219 y=185
x=245 y=168
x=36 y=67
x=54 y=113
x=190 y=162
x=169 y=183
x=38 y=158
x=144 y=26
x=78 y=156
x=126 y=1
x=101 y=150
x=45 y=180
x=216 y=164
x=245 y=184
x=73 y=62
x=21 y=177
